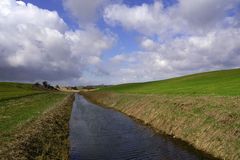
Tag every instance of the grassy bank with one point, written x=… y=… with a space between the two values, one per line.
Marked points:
x=33 y=122
x=201 y=109
x=210 y=124
x=10 y=90
x=224 y=83
x=44 y=138
x=15 y=113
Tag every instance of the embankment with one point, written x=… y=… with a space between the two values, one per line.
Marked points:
x=44 y=138
x=209 y=123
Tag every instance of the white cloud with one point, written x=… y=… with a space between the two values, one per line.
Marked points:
x=185 y=17
x=219 y=49
x=86 y=11
x=147 y=19
x=118 y=58
x=90 y=42
x=184 y=38
x=36 y=44
x=148 y=44
x=188 y=37
x=205 y=12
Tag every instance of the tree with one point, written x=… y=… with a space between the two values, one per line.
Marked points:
x=37 y=84
x=45 y=84
x=75 y=88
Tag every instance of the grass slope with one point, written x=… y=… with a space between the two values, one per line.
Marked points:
x=209 y=123
x=17 y=112
x=225 y=82
x=9 y=90
x=44 y=138
x=21 y=103
x=202 y=109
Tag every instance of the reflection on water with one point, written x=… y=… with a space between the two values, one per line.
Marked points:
x=98 y=133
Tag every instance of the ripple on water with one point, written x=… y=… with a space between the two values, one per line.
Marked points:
x=98 y=133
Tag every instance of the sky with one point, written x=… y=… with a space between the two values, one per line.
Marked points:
x=79 y=42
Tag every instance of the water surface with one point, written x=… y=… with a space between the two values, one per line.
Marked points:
x=97 y=133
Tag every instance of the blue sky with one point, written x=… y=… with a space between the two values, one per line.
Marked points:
x=116 y=41
x=127 y=42
x=55 y=5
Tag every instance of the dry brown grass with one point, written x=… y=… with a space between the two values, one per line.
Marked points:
x=210 y=124
x=45 y=138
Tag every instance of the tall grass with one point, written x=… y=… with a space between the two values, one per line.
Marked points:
x=33 y=122
x=202 y=109
x=43 y=138
x=16 y=112
x=211 y=124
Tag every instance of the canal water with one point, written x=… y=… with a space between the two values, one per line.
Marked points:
x=97 y=133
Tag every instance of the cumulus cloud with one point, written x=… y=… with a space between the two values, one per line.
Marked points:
x=147 y=18
x=185 y=17
x=187 y=37
x=219 y=49
x=36 y=44
x=205 y=12
x=86 y=11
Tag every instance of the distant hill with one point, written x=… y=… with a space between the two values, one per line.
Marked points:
x=224 y=82
x=9 y=90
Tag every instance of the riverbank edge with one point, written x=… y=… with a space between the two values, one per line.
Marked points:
x=97 y=98
x=45 y=137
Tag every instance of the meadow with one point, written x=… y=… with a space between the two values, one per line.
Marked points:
x=10 y=90
x=20 y=103
x=224 y=83
x=30 y=117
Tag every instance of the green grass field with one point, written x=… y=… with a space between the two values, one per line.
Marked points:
x=226 y=82
x=21 y=103
x=9 y=90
